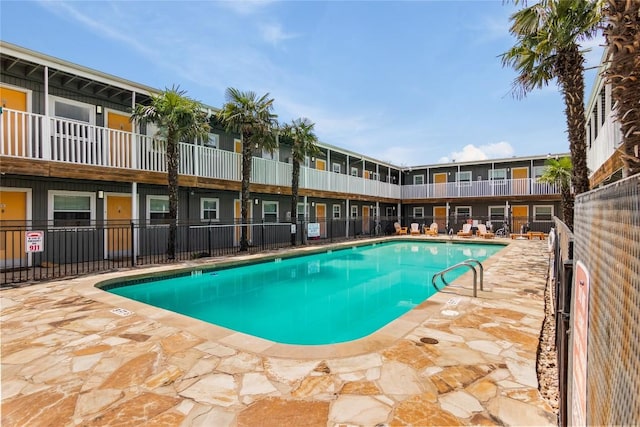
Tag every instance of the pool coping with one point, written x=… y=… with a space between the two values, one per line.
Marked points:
x=397 y=329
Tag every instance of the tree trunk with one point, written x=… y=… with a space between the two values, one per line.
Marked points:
x=623 y=40
x=247 y=155
x=566 y=205
x=295 y=184
x=570 y=71
x=172 y=176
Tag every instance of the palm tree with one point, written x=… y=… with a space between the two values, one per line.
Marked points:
x=622 y=33
x=559 y=171
x=303 y=143
x=547 y=36
x=178 y=118
x=252 y=117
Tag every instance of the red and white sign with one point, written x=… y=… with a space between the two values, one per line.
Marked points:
x=580 y=330
x=34 y=241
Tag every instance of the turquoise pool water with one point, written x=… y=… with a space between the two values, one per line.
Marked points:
x=316 y=299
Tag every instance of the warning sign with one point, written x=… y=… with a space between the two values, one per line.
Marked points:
x=580 y=332
x=34 y=241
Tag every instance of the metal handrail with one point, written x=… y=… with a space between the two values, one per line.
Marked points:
x=467 y=263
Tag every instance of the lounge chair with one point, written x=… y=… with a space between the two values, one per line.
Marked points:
x=415 y=228
x=399 y=229
x=482 y=232
x=432 y=230
x=466 y=231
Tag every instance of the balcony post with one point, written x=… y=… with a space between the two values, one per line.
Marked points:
x=47 y=139
x=134 y=139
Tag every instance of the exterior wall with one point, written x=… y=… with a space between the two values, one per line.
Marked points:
x=602 y=132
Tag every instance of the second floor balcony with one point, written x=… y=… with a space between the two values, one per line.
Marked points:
x=41 y=138
x=488 y=188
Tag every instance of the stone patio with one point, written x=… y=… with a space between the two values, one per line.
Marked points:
x=68 y=360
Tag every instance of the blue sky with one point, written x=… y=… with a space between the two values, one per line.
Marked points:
x=409 y=82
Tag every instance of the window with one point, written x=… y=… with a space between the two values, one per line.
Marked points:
x=542 y=213
x=375 y=176
x=418 y=212
x=158 y=210
x=73 y=110
x=418 y=179
x=337 y=211
x=595 y=121
x=602 y=106
x=301 y=212
x=389 y=211
x=463 y=212
x=374 y=212
x=336 y=167
x=354 y=212
x=354 y=171
x=212 y=140
x=271 y=155
x=463 y=178
x=538 y=171
x=270 y=211
x=71 y=208
x=496 y=213
x=209 y=209
x=498 y=176
x=307 y=161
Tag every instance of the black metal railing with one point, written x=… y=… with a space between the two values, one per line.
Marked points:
x=45 y=250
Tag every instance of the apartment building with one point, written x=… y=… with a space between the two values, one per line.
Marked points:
x=70 y=158
x=603 y=133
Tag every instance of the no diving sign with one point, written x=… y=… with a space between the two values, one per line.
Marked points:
x=34 y=241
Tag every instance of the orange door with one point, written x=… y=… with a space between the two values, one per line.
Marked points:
x=14 y=123
x=365 y=220
x=440 y=217
x=321 y=165
x=119 y=139
x=237 y=146
x=118 y=226
x=440 y=187
x=366 y=174
x=321 y=218
x=13 y=221
x=519 y=181
x=520 y=216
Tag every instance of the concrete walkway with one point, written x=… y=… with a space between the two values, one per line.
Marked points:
x=68 y=359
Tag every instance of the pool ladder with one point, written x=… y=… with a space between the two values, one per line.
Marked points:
x=470 y=263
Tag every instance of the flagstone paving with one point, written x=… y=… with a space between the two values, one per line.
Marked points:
x=68 y=360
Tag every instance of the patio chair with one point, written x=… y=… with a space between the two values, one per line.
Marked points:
x=415 y=228
x=466 y=231
x=482 y=232
x=432 y=230
x=400 y=229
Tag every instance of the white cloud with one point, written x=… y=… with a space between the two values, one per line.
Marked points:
x=274 y=34
x=471 y=153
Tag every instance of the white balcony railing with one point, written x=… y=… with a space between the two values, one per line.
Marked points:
x=507 y=187
x=35 y=136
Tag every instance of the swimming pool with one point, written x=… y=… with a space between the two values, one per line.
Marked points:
x=326 y=298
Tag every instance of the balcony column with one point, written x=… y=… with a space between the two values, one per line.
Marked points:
x=399 y=203
x=47 y=140
x=364 y=183
x=458 y=180
x=426 y=179
x=134 y=137
x=135 y=216
x=329 y=170
x=347 y=216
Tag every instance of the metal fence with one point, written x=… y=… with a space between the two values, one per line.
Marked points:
x=597 y=273
x=607 y=259
x=36 y=251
